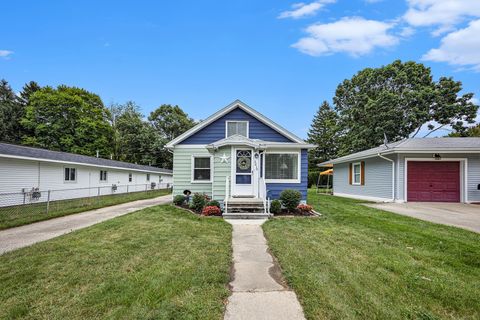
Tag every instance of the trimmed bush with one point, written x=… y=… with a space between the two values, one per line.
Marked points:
x=275 y=206
x=211 y=211
x=199 y=201
x=179 y=200
x=213 y=203
x=290 y=199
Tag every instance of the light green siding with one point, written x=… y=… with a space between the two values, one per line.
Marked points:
x=182 y=172
x=222 y=170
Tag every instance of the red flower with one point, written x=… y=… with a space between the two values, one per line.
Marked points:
x=211 y=211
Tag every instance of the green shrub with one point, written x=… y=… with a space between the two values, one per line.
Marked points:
x=275 y=206
x=179 y=200
x=199 y=201
x=290 y=199
x=213 y=203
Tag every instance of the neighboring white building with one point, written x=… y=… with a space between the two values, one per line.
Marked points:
x=67 y=175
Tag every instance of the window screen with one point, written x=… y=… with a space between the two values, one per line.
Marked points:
x=281 y=166
x=237 y=127
x=201 y=169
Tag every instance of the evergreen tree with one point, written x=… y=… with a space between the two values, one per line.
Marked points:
x=11 y=111
x=323 y=133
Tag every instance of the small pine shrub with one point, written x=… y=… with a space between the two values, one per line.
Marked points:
x=211 y=211
x=213 y=203
x=179 y=200
x=199 y=201
x=275 y=206
x=290 y=199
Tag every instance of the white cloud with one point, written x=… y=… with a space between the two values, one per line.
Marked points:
x=407 y=32
x=5 y=54
x=459 y=48
x=301 y=9
x=444 y=15
x=353 y=35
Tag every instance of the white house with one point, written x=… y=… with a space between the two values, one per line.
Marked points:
x=67 y=175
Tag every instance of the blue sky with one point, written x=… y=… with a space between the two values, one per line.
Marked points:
x=281 y=57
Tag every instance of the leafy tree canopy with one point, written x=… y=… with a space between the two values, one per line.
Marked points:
x=68 y=119
x=473 y=131
x=11 y=111
x=170 y=121
x=396 y=100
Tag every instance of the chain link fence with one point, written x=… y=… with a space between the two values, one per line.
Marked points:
x=36 y=204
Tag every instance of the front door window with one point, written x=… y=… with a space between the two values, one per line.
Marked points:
x=244 y=167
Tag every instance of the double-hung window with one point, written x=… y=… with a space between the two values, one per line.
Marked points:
x=237 y=128
x=148 y=176
x=103 y=175
x=130 y=178
x=70 y=175
x=357 y=173
x=201 y=169
x=282 y=167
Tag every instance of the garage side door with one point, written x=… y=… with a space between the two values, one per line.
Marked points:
x=433 y=181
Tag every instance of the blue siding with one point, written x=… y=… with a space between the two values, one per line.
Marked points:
x=274 y=189
x=216 y=130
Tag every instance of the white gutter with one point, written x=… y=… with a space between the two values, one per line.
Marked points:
x=393 y=174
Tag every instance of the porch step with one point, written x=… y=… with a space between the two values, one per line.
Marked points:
x=245 y=215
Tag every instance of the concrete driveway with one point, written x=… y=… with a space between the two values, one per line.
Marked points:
x=466 y=216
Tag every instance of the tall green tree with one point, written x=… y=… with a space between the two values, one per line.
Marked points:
x=136 y=140
x=396 y=100
x=68 y=119
x=323 y=133
x=11 y=112
x=27 y=91
x=170 y=121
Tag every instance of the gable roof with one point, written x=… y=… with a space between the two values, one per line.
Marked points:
x=30 y=153
x=415 y=145
x=240 y=140
x=236 y=104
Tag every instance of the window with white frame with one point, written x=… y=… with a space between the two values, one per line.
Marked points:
x=130 y=177
x=357 y=173
x=70 y=174
x=103 y=175
x=237 y=127
x=201 y=169
x=148 y=176
x=282 y=166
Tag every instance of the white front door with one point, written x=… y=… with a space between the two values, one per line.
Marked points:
x=245 y=168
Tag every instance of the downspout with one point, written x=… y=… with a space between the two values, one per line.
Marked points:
x=393 y=174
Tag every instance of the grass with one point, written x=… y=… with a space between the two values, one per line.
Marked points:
x=20 y=215
x=157 y=263
x=357 y=262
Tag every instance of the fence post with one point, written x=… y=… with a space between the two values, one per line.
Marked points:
x=98 y=195
x=127 y=188
x=48 y=200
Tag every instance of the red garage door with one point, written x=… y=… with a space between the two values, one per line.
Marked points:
x=433 y=181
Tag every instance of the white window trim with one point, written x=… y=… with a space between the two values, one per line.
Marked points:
x=228 y=121
x=76 y=174
x=192 y=166
x=299 y=173
x=148 y=177
x=100 y=178
x=359 y=183
x=128 y=177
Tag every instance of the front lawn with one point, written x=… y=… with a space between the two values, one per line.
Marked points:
x=15 y=216
x=158 y=263
x=357 y=262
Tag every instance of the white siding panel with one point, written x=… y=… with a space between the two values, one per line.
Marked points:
x=378 y=179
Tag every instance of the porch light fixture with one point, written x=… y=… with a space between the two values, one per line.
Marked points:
x=437 y=156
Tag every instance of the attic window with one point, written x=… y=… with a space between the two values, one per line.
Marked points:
x=237 y=127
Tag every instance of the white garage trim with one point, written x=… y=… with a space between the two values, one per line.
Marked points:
x=463 y=175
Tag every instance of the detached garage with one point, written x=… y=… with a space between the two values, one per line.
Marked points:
x=412 y=170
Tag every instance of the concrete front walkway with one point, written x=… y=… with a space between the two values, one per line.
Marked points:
x=257 y=288
x=23 y=236
x=466 y=216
